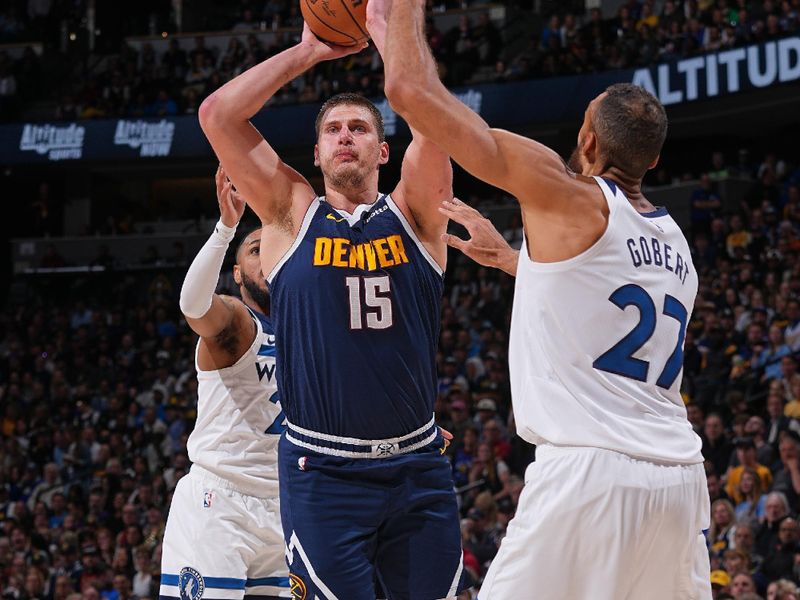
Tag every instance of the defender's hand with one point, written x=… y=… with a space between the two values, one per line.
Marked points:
x=485 y=245
x=231 y=203
x=324 y=51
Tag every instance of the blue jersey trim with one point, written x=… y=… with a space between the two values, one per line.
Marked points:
x=611 y=185
x=661 y=211
x=273 y=581
x=220 y=583
x=266 y=350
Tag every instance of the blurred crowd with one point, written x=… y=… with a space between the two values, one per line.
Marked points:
x=123 y=81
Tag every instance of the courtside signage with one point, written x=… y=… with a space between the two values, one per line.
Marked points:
x=56 y=142
x=151 y=139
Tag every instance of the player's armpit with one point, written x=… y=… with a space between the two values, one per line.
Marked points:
x=230 y=331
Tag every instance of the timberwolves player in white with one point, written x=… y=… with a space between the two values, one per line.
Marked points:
x=223 y=536
x=615 y=505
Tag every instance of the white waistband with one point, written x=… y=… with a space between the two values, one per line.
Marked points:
x=359 y=441
x=384 y=448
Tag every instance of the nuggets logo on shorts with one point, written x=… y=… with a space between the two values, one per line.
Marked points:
x=386 y=449
x=190 y=584
x=297 y=587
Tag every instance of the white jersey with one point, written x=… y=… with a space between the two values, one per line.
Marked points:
x=596 y=348
x=239 y=418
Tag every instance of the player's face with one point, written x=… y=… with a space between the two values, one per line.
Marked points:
x=247 y=272
x=348 y=150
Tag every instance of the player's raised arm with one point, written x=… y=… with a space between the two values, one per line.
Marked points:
x=275 y=190
x=427 y=174
x=517 y=164
x=223 y=323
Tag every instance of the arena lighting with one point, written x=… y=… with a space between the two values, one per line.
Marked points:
x=164 y=34
x=72 y=37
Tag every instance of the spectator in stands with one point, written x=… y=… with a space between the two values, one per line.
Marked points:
x=750 y=506
x=780 y=559
x=735 y=561
x=746 y=457
x=742 y=583
x=777 y=421
x=776 y=509
x=782 y=589
x=705 y=204
x=716 y=447
x=464 y=456
x=787 y=476
x=723 y=518
x=770 y=356
x=491 y=473
x=720 y=580
x=716 y=490
x=792 y=331
x=744 y=540
x=496 y=439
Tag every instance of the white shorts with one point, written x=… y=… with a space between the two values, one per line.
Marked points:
x=220 y=543
x=599 y=525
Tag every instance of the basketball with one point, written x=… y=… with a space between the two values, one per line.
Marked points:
x=340 y=22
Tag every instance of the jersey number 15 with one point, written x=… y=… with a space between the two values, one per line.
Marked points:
x=370 y=301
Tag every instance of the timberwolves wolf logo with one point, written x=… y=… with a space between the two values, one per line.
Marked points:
x=190 y=584
x=385 y=449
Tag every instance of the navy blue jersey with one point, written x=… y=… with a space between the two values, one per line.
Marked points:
x=356 y=308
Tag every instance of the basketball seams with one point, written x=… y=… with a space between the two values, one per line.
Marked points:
x=354 y=41
x=350 y=14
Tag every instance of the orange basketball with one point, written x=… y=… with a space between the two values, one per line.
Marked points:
x=341 y=22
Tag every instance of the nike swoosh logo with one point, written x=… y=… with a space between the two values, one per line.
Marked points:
x=332 y=218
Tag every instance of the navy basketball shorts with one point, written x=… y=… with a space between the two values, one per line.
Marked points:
x=352 y=525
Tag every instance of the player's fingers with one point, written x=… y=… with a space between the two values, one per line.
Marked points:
x=225 y=193
x=446 y=434
x=219 y=179
x=454 y=241
x=464 y=211
x=450 y=210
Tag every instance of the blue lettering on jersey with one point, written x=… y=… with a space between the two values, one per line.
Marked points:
x=654 y=252
x=279 y=424
x=620 y=359
x=268 y=370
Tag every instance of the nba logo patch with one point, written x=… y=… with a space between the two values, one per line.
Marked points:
x=207 y=496
x=190 y=584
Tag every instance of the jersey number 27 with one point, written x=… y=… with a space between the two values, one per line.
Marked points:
x=619 y=358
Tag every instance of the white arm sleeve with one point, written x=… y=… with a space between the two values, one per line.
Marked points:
x=203 y=274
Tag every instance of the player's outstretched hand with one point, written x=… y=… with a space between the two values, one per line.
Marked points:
x=485 y=245
x=324 y=51
x=231 y=203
